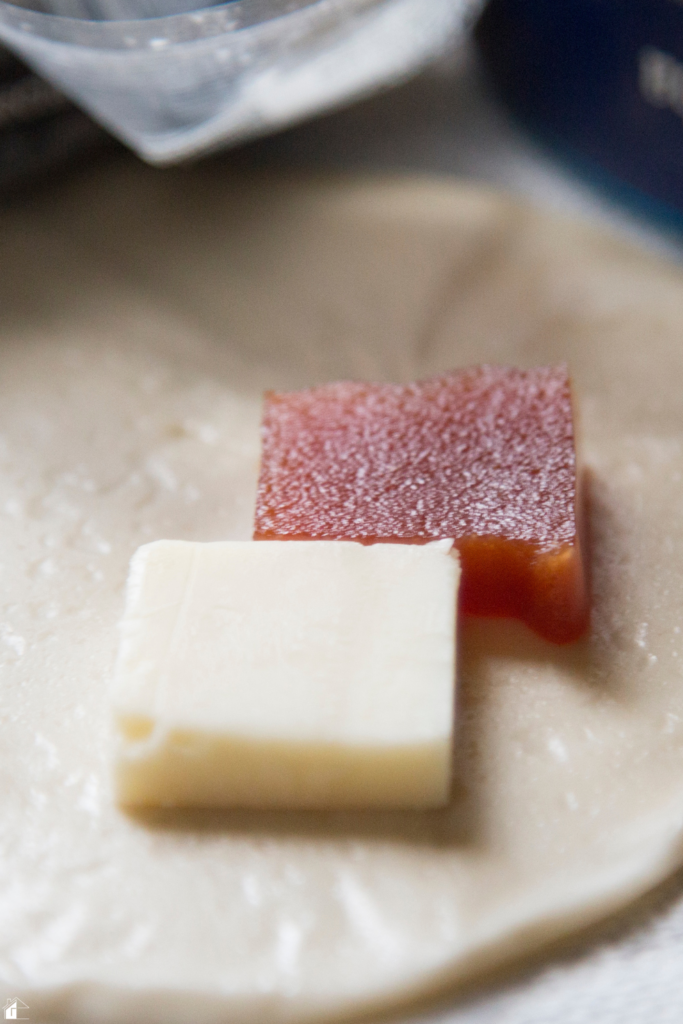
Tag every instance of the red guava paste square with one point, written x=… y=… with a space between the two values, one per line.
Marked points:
x=484 y=455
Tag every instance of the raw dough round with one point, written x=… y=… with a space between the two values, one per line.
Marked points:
x=143 y=313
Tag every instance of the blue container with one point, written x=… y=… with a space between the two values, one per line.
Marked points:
x=602 y=81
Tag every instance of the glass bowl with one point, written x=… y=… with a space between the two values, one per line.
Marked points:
x=174 y=81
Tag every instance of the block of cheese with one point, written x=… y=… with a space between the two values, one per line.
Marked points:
x=305 y=674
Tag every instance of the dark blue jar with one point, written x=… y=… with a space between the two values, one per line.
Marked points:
x=602 y=80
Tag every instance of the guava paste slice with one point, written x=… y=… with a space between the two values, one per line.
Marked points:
x=484 y=455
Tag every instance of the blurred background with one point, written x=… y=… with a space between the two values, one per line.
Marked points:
x=578 y=105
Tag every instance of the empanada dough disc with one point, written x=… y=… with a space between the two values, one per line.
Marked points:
x=143 y=313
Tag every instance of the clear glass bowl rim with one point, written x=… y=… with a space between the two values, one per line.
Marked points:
x=183 y=27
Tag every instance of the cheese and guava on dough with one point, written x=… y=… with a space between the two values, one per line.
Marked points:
x=139 y=330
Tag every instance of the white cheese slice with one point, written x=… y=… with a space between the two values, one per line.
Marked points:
x=287 y=674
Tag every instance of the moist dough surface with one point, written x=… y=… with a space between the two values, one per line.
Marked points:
x=142 y=314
